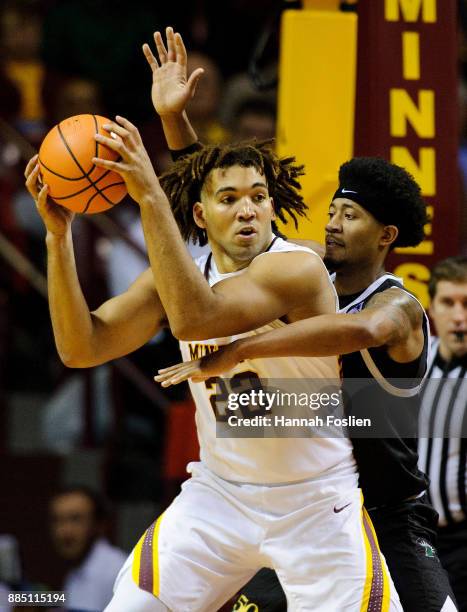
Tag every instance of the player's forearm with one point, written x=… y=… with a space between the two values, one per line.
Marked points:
x=69 y=312
x=319 y=336
x=178 y=131
x=183 y=291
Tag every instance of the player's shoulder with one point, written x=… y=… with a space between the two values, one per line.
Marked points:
x=388 y=295
x=396 y=295
x=399 y=298
x=288 y=265
x=288 y=255
x=281 y=245
x=286 y=250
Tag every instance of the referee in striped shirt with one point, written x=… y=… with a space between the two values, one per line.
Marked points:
x=443 y=419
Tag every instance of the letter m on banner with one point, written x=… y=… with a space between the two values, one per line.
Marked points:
x=410 y=10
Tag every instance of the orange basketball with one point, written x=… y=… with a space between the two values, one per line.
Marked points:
x=65 y=160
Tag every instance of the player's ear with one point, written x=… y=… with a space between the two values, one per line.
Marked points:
x=198 y=215
x=273 y=210
x=389 y=235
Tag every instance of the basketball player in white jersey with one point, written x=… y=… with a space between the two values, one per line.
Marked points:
x=290 y=504
x=249 y=502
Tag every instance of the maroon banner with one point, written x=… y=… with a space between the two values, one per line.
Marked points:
x=406 y=112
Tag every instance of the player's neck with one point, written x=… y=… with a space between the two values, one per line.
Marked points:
x=226 y=264
x=352 y=278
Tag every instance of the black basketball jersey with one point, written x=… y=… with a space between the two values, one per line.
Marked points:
x=388 y=465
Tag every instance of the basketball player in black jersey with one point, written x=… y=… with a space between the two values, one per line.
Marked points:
x=384 y=335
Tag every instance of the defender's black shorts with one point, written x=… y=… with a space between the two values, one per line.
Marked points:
x=452 y=550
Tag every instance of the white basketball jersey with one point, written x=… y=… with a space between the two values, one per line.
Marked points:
x=264 y=460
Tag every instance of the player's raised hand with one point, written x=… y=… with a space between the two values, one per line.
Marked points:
x=57 y=219
x=214 y=364
x=171 y=89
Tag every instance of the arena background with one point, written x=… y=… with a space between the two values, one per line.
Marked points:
x=397 y=89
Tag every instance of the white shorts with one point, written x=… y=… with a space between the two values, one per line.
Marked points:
x=217 y=534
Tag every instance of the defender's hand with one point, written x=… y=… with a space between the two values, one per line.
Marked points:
x=57 y=219
x=214 y=364
x=171 y=90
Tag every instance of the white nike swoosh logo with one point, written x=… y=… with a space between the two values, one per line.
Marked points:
x=348 y=191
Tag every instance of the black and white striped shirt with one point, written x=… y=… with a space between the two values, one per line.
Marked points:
x=442 y=449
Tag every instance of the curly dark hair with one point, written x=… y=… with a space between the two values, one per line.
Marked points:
x=184 y=181
x=390 y=194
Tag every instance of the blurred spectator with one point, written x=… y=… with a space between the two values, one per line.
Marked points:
x=77 y=96
x=10 y=154
x=203 y=108
x=255 y=119
x=21 y=33
x=443 y=419
x=241 y=113
x=63 y=423
x=245 y=111
x=78 y=518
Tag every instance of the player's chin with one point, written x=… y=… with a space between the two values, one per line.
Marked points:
x=332 y=261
